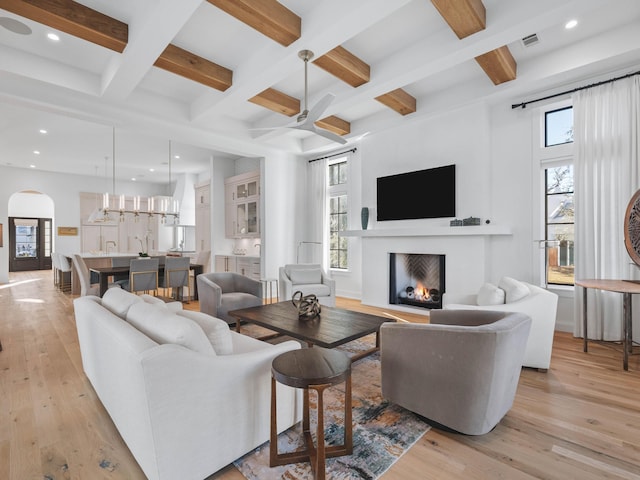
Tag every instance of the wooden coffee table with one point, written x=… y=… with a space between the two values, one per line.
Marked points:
x=333 y=327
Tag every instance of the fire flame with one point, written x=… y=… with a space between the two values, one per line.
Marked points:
x=421 y=292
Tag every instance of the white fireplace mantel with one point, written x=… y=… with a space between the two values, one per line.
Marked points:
x=430 y=231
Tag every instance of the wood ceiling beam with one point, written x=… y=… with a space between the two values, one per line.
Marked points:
x=74 y=19
x=277 y=101
x=334 y=124
x=499 y=65
x=266 y=16
x=398 y=100
x=186 y=64
x=345 y=65
x=465 y=17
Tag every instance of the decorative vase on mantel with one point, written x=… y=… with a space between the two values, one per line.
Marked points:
x=364 y=217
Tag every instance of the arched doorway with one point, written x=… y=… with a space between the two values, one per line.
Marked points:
x=30 y=231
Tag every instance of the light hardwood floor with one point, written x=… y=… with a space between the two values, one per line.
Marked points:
x=581 y=419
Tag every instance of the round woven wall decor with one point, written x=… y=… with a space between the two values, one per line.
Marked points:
x=632 y=228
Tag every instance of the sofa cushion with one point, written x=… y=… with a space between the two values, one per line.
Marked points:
x=490 y=294
x=163 y=326
x=118 y=301
x=514 y=290
x=305 y=276
x=216 y=330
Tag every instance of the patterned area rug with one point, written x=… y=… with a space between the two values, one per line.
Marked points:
x=382 y=432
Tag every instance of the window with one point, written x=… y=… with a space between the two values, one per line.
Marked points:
x=559 y=225
x=338 y=214
x=558 y=127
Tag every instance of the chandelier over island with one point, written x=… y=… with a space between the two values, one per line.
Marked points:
x=161 y=205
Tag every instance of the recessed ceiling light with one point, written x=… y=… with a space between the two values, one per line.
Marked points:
x=36 y=152
x=152 y=169
x=570 y=24
x=32 y=166
x=177 y=157
x=53 y=36
x=43 y=131
x=133 y=179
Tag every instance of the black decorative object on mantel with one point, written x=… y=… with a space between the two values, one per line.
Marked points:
x=364 y=217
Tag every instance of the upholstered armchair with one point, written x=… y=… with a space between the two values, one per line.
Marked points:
x=308 y=278
x=516 y=296
x=222 y=292
x=461 y=370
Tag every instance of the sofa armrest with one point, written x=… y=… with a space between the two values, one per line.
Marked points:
x=209 y=294
x=207 y=411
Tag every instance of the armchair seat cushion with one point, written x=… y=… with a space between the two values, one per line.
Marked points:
x=319 y=290
x=236 y=300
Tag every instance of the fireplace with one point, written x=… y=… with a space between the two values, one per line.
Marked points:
x=416 y=279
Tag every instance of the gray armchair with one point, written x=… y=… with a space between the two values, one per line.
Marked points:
x=222 y=292
x=309 y=278
x=461 y=370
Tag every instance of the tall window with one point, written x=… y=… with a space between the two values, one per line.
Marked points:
x=559 y=226
x=338 y=214
x=558 y=196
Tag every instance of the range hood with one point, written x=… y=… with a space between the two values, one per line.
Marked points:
x=185 y=194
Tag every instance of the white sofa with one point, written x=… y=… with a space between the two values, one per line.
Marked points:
x=309 y=278
x=538 y=303
x=189 y=396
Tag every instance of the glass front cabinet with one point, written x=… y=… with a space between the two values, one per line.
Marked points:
x=242 y=193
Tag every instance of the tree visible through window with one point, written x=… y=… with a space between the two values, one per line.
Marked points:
x=559 y=225
x=338 y=215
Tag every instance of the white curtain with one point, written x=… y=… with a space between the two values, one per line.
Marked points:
x=606 y=139
x=318 y=227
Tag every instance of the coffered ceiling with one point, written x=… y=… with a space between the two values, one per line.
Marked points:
x=222 y=77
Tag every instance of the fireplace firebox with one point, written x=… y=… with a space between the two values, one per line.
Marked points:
x=416 y=279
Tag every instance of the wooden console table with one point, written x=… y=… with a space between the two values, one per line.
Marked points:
x=627 y=288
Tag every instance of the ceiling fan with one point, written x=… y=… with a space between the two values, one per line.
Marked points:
x=307 y=118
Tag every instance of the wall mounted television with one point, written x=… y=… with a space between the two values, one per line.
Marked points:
x=429 y=193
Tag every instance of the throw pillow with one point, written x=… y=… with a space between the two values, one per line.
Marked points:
x=118 y=301
x=514 y=290
x=305 y=276
x=216 y=330
x=171 y=306
x=490 y=294
x=163 y=326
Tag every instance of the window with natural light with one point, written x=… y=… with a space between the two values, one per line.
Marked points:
x=559 y=225
x=558 y=127
x=338 y=214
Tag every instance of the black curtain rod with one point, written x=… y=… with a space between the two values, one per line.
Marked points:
x=334 y=155
x=577 y=89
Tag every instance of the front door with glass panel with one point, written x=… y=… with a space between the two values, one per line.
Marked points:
x=30 y=244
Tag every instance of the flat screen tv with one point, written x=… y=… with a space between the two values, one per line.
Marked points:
x=429 y=193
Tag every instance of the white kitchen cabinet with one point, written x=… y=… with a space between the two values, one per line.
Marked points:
x=225 y=263
x=242 y=205
x=249 y=267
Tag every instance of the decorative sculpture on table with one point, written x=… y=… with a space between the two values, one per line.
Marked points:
x=632 y=228
x=308 y=305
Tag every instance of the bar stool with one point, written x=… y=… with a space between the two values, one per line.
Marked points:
x=311 y=368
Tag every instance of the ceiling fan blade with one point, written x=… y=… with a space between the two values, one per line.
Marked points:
x=327 y=134
x=318 y=109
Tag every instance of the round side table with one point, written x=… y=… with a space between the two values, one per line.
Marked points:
x=316 y=368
